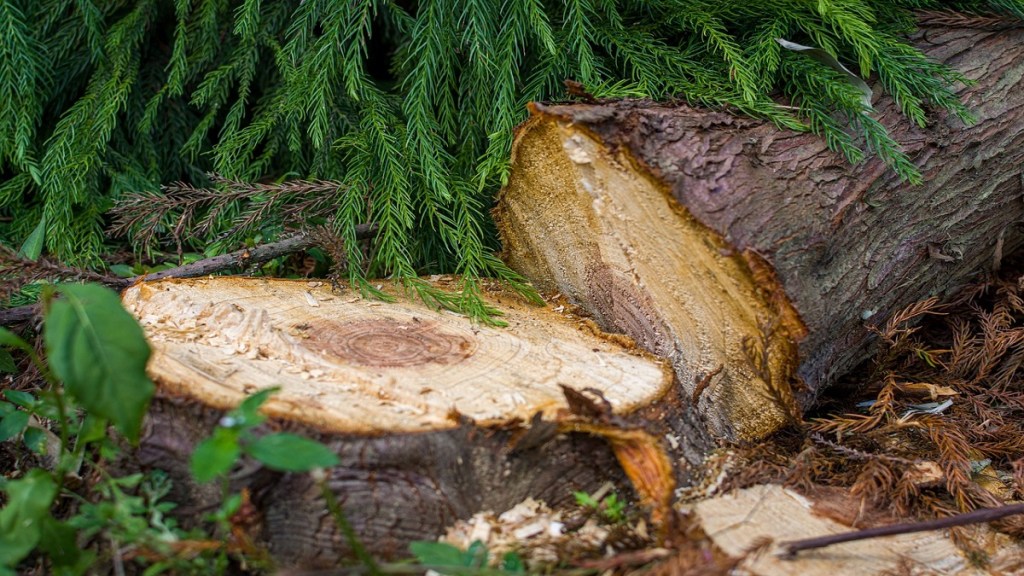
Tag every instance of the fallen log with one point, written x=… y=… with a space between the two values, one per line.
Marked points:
x=434 y=418
x=754 y=258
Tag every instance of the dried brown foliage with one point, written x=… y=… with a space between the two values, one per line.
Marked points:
x=1018 y=478
x=904 y=449
x=183 y=211
x=875 y=482
x=748 y=466
x=335 y=247
x=965 y=20
x=881 y=411
x=16 y=272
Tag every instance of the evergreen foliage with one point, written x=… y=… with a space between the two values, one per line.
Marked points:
x=409 y=106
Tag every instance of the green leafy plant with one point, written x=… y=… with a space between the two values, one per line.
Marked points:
x=446 y=559
x=96 y=356
x=235 y=437
x=94 y=374
x=610 y=508
x=94 y=370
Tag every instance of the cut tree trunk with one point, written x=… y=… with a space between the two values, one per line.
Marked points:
x=434 y=418
x=753 y=257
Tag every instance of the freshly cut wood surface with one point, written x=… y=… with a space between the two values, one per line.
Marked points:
x=432 y=416
x=354 y=365
x=752 y=257
x=742 y=520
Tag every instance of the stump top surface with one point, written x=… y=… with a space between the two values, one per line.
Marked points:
x=353 y=365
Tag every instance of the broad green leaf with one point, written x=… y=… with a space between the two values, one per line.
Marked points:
x=231 y=505
x=513 y=563
x=21 y=519
x=35 y=440
x=7 y=362
x=8 y=338
x=23 y=399
x=98 y=350
x=13 y=424
x=215 y=455
x=33 y=246
x=585 y=500
x=437 y=553
x=59 y=541
x=129 y=481
x=93 y=428
x=248 y=414
x=6 y=408
x=477 y=554
x=123 y=270
x=291 y=453
x=84 y=565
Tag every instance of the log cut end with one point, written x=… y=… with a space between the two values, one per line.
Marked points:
x=346 y=364
x=586 y=221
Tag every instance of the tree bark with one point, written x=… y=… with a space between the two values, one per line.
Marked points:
x=753 y=257
x=434 y=418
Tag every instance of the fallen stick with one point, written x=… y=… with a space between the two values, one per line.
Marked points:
x=789 y=549
x=245 y=256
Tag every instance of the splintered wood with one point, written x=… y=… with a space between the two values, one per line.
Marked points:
x=579 y=219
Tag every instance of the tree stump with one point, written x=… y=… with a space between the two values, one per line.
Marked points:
x=434 y=417
x=752 y=257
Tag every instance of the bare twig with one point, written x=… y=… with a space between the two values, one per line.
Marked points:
x=976 y=517
x=244 y=257
x=19 y=314
x=702 y=382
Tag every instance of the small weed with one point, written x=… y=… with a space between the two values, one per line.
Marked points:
x=474 y=561
x=234 y=437
x=611 y=509
x=94 y=373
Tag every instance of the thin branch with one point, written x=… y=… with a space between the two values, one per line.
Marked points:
x=976 y=517
x=244 y=257
x=19 y=314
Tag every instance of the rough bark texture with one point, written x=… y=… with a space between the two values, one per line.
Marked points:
x=434 y=418
x=826 y=248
